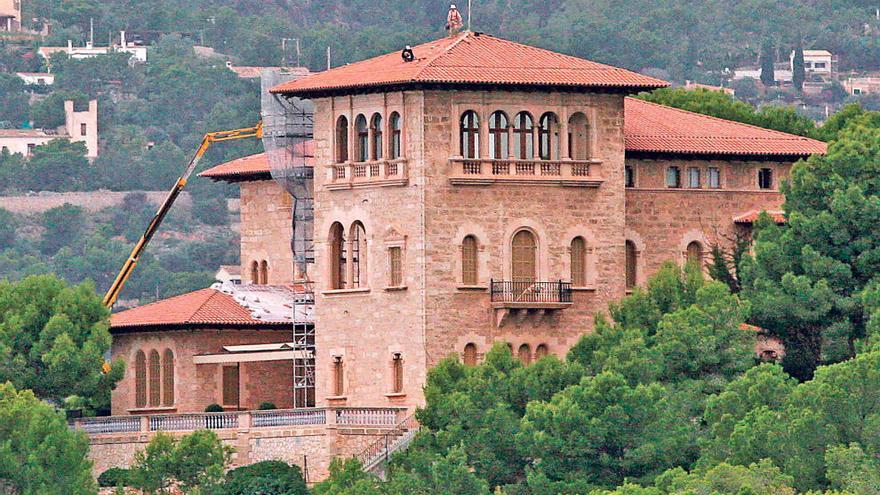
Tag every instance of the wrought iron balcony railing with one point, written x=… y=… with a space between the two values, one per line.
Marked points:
x=528 y=292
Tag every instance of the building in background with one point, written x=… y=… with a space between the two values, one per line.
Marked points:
x=863 y=85
x=37 y=78
x=819 y=62
x=228 y=274
x=10 y=15
x=137 y=52
x=79 y=126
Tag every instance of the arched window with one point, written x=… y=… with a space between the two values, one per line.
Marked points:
x=395 y=128
x=523 y=256
x=578 y=137
x=376 y=127
x=498 y=144
x=578 y=262
x=397 y=373
x=470 y=135
x=358 y=255
x=140 y=379
x=255 y=272
x=523 y=142
x=361 y=153
x=168 y=378
x=548 y=137
x=469 y=261
x=695 y=253
x=524 y=354
x=264 y=272
x=470 y=355
x=338 y=377
x=155 y=379
x=337 y=256
x=631 y=264
x=342 y=139
x=541 y=351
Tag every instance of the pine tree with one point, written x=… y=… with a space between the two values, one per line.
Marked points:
x=768 y=78
x=798 y=73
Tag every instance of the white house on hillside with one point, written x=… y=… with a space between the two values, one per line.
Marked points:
x=78 y=127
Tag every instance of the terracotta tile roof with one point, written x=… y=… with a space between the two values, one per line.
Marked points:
x=650 y=127
x=751 y=216
x=205 y=307
x=253 y=167
x=470 y=58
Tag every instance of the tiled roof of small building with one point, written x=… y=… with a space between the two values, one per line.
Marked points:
x=653 y=128
x=204 y=307
x=470 y=58
x=751 y=216
x=252 y=167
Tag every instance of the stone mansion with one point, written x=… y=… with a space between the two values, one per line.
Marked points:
x=468 y=190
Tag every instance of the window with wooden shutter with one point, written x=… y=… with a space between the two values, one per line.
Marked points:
x=338 y=377
x=337 y=256
x=470 y=135
x=548 y=137
x=523 y=250
x=168 y=378
x=376 y=144
x=155 y=379
x=342 y=140
x=361 y=152
x=470 y=355
x=230 y=386
x=469 y=261
x=523 y=140
x=140 y=379
x=695 y=253
x=578 y=262
x=498 y=138
x=397 y=372
x=395 y=128
x=359 y=274
x=631 y=265
x=579 y=137
x=524 y=354
x=395 y=260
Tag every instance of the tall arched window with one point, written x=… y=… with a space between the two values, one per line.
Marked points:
x=541 y=351
x=338 y=377
x=470 y=355
x=341 y=139
x=578 y=262
x=155 y=379
x=548 y=137
x=264 y=272
x=394 y=126
x=578 y=137
x=498 y=139
x=361 y=152
x=337 y=256
x=469 y=261
x=524 y=354
x=397 y=373
x=631 y=264
x=523 y=255
x=695 y=253
x=255 y=272
x=470 y=135
x=358 y=255
x=168 y=378
x=523 y=142
x=140 y=379
x=376 y=127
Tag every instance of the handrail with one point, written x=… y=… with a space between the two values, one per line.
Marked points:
x=514 y=291
x=392 y=441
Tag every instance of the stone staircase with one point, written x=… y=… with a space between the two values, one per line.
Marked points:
x=374 y=458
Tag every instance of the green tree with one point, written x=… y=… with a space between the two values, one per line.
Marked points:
x=64 y=225
x=348 y=478
x=8 y=227
x=852 y=470
x=39 y=453
x=768 y=57
x=195 y=463
x=59 y=165
x=266 y=477
x=48 y=113
x=13 y=101
x=798 y=72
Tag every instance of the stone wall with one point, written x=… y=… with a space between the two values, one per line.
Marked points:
x=266 y=230
x=91 y=201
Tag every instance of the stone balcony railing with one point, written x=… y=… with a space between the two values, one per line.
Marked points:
x=578 y=173
x=376 y=173
x=370 y=417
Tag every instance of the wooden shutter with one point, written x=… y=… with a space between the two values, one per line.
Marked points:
x=631 y=268
x=337 y=257
x=523 y=256
x=524 y=354
x=469 y=261
x=230 y=386
x=395 y=256
x=168 y=378
x=338 y=377
x=140 y=379
x=541 y=351
x=578 y=262
x=155 y=379
x=695 y=253
x=470 y=355
x=397 y=364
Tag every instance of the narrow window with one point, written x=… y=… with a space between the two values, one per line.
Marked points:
x=359 y=275
x=694 y=178
x=523 y=141
x=631 y=264
x=578 y=262
x=629 y=176
x=363 y=136
x=713 y=177
x=231 y=386
x=498 y=145
x=376 y=125
x=548 y=137
x=695 y=253
x=470 y=135
x=470 y=355
x=342 y=140
x=168 y=378
x=524 y=354
x=30 y=149
x=82 y=129
x=255 y=272
x=541 y=351
x=469 y=261
x=337 y=256
x=578 y=137
x=394 y=126
x=673 y=177
x=338 y=377
x=765 y=178
x=397 y=373
x=395 y=261
x=140 y=379
x=155 y=379
x=264 y=272
x=524 y=248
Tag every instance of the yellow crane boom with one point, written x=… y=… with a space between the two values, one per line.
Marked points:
x=128 y=267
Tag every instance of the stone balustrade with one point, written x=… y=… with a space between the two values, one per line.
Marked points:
x=378 y=173
x=580 y=173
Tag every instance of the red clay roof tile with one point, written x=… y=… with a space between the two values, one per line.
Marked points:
x=252 y=167
x=751 y=216
x=201 y=307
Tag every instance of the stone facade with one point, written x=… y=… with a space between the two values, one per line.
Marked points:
x=266 y=231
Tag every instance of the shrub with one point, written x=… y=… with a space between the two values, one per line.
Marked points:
x=214 y=408
x=265 y=406
x=113 y=477
x=275 y=477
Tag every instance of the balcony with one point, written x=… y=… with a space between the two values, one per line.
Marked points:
x=573 y=173
x=378 y=173
x=522 y=299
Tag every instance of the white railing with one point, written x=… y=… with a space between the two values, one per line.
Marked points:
x=189 y=422
x=366 y=416
x=288 y=417
x=484 y=171
x=110 y=424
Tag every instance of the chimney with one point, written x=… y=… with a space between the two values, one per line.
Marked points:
x=69 y=46
x=122 y=38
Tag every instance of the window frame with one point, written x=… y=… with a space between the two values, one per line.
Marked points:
x=548 y=136
x=694 y=173
x=338 y=257
x=140 y=379
x=673 y=169
x=469 y=355
x=362 y=142
x=395 y=129
x=154 y=379
x=470 y=263
x=342 y=139
x=631 y=264
x=397 y=373
x=523 y=136
x=765 y=178
x=168 y=394
x=376 y=144
x=395 y=266
x=523 y=256
x=499 y=143
x=716 y=184
x=629 y=176
x=578 y=261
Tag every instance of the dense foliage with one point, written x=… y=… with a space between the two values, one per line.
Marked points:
x=266 y=477
x=194 y=463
